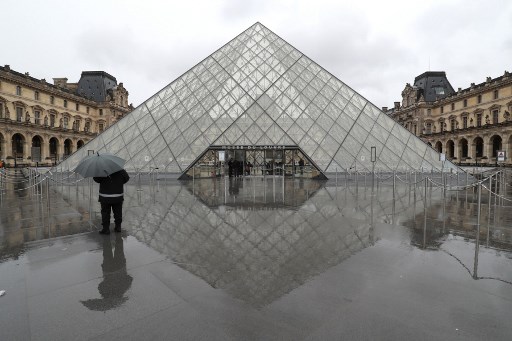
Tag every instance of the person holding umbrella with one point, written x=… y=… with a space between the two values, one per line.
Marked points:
x=111 y=198
x=107 y=170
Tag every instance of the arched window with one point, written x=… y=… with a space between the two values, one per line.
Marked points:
x=17 y=145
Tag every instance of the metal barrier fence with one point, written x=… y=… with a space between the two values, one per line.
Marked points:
x=39 y=182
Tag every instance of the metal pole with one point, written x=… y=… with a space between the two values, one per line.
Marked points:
x=425 y=215
x=489 y=212
x=90 y=200
x=477 y=239
x=394 y=184
x=373 y=176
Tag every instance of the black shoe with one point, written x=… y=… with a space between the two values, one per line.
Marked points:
x=117 y=228
x=105 y=231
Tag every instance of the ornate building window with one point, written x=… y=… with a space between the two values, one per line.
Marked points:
x=65 y=121
x=452 y=124
x=496 y=94
x=478 y=120
x=36 y=95
x=19 y=114
x=77 y=106
x=52 y=100
x=495 y=114
x=453 y=106
x=37 y=117
x=428 y=128
x=87 y=126
x=479 y=99
x=76 y=125
x=65 y=103
x=1 y=110
x=18 y=90
x=52 y=120
x=465 y=122
x=100 y=127
x=465 y=103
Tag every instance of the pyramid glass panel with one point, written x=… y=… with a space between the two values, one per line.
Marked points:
x=259 y=101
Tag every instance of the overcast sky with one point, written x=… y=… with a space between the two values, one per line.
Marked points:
x=376 y=47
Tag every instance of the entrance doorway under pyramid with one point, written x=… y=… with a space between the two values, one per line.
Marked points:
x=259 y=106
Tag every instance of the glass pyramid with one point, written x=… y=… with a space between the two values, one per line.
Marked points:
x=256 y=99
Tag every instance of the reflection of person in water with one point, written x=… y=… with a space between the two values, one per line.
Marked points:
x=233 y=187
x=116 y=280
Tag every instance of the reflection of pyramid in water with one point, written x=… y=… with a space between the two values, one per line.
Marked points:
x=258 y=90
x=258 y=255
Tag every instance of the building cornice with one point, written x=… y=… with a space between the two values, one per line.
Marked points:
x=475 y=89
x=42 y=85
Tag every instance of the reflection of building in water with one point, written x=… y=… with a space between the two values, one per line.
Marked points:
x=26 y=215
x=254 y=193
x=457 y=215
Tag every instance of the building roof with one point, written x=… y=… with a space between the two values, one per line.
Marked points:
x=95 y=85
x=434 y=85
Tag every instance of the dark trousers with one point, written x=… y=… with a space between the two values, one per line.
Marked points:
x=117 y=209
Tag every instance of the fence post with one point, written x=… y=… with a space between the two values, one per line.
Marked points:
x=489 y=211
x=425 y=214
x=394 y=185
x=477 y=239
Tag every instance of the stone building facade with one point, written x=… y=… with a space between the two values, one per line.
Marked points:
x=44 y=123
x=470 y=126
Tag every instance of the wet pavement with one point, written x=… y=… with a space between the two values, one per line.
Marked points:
x=256 y=259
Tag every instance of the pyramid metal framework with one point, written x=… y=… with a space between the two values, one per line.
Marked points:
x=258 y=91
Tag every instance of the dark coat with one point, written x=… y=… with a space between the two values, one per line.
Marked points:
x=111 y=187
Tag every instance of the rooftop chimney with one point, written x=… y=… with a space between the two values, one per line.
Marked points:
x=60 y=82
